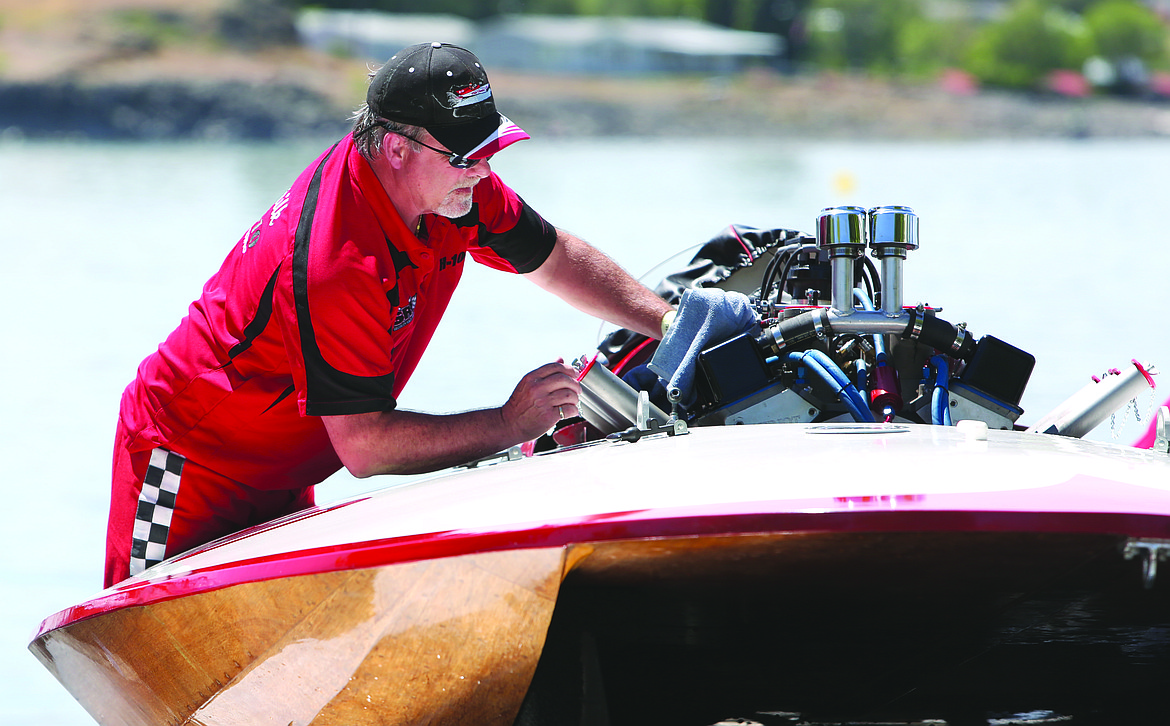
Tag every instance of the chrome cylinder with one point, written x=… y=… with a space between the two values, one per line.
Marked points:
x=608 y=402
x=869 y=322
x=1097 y=401
x=892 y=231
x=841 y=232
x=794 y=333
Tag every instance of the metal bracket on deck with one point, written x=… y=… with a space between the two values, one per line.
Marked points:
x=1152 y=550
x=1161 y=439
x=513 y=453
x=645 y=425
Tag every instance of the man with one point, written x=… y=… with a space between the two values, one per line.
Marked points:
x=289 y=364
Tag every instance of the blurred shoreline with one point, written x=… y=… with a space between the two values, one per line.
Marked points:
x=754 y=106
x=68 y=71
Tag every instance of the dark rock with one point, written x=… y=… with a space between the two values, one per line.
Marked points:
x=166 y=110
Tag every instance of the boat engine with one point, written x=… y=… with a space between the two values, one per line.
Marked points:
x=864 y=356
x=835 y=342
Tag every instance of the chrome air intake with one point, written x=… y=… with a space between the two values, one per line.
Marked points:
x=841 y=233
x=892 y=231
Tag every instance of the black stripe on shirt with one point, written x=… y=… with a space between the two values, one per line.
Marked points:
x=525 y=247
x=263 y=314
x=330 y=392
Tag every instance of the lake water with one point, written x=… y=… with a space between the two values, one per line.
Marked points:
x=1058 y=247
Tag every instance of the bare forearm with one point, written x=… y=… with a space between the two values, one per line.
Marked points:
x=407 y=442
x=590 y=281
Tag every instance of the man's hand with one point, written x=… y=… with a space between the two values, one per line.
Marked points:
x=542 y=398
x=406 y=442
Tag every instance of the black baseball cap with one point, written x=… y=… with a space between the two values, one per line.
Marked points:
x=444 y=89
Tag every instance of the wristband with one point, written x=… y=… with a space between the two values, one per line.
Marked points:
x=667 y=319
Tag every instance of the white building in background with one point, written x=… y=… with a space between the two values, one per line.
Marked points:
x=554 y=44
x=621 y=45
x=375 y=35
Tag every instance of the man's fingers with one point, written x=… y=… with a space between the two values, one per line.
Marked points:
x=554 y=379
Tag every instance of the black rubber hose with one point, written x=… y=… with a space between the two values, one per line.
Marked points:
x=940 y=335
x=872 y=279
x=795 y=331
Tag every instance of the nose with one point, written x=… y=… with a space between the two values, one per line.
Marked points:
x=481 y=170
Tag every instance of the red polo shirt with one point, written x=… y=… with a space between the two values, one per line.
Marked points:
x=323 y=307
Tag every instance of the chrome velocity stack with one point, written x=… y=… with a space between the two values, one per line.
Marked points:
x=892 y=231
x=841 y=233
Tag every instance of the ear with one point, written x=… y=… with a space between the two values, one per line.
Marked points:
x=395 y=148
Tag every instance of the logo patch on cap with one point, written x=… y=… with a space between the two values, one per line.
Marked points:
x=468 y=94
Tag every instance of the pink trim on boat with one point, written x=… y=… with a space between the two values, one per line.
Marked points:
x=1083 y=504
x=1144 y=372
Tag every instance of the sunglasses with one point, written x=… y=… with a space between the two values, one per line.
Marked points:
x=455 y=160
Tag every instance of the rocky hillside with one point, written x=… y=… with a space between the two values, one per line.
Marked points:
x=165 y=68
x=133 y=69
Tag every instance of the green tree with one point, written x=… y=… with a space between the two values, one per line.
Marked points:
x=926 y=46
x=1073 y=6
x=1122 y=28
x=1034 y=39
x=638 y=8
x=860 y=33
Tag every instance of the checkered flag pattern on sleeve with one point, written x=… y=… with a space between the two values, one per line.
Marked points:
x=156 y=504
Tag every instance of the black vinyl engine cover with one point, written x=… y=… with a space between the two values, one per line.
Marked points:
x=735 y=248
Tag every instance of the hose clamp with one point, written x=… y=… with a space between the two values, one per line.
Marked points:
x=777 y=337
x=917 y=318
x=960 y=338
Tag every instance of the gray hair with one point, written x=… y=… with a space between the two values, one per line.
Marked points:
x=370 y=129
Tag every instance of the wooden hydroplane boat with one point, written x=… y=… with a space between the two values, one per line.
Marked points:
x=829 y=561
